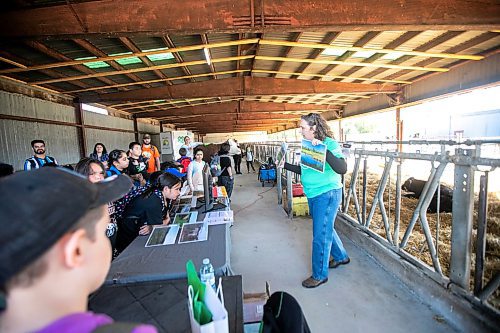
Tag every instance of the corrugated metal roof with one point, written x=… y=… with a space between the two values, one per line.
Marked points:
x=286 y=44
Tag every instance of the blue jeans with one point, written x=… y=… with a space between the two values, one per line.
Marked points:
x=323 y=209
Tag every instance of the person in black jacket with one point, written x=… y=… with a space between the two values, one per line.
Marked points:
x=226 y=178
x=149 y=207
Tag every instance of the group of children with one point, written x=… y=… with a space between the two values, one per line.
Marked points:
x=56 y=224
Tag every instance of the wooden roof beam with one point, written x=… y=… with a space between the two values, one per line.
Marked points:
x=242 y=86
x=231 y=117
x=231 y=107
x=237 y=122
x=158 y=17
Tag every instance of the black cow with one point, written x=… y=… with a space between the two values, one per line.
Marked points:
x=414 y=188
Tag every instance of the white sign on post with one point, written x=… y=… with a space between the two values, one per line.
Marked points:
x=166 y=142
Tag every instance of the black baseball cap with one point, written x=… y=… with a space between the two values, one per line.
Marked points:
x=39 y=206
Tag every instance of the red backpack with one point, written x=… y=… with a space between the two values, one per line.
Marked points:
x=185 y=163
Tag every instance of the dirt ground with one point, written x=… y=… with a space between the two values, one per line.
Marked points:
x=417 y=245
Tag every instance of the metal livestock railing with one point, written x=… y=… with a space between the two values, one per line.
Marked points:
x=433 y=161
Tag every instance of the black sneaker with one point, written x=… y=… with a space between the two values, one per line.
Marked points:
x=334 y=264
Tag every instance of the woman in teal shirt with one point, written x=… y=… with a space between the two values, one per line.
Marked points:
x=324 y=194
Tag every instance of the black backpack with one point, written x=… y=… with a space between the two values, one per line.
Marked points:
x=283 y=314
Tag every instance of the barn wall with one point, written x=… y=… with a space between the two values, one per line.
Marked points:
x=15 y=135
x=61 y=139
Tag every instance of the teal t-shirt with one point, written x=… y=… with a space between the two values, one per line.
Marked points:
x=317 y=182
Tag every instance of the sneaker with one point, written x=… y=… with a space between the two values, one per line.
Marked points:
x=334 y=264
x=310 y=282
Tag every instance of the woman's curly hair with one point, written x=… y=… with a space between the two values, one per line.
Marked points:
x=322 y=128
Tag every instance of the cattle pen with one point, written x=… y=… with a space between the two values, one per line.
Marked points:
x=458 y=250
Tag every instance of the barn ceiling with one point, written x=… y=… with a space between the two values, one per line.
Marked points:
x=224 y=65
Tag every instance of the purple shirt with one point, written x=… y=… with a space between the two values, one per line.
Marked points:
x=86 y=322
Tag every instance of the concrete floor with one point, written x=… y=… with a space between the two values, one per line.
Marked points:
x=359 y=297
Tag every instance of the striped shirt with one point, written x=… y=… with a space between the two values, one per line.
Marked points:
x=36 y=162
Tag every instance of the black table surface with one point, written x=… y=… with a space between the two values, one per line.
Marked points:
x=138 y=263
x=163 y=304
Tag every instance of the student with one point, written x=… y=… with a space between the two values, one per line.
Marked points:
x=40 y=159
x=6 y=170
x=184 y=160
x=100 y=153
x=95 y=171
x=226 y=178
x=57 y=253
x=118 y=162
x=137 y=167
x=91 y=168
x=175 y=169
x=148 y=207
x=195 y=171
x=249 y=158
x=151 y=154
x=324 y=193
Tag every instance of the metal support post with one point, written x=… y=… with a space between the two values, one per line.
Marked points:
x=397 y=213
x=363 y=207
x=463 y=206
x=279 y=187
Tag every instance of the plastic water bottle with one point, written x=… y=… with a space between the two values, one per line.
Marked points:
x=207 y=273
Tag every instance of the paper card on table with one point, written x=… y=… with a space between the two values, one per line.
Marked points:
x=193 y=232
x=313 y=156
x=186 y=200
x=162 y=235
x=181 y=209
x=219 y=217
x=185 y=190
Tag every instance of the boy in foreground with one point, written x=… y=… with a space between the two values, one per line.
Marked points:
x=54 y=251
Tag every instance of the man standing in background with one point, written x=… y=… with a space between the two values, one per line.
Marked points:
x=40 y=159
x=235 y=152
x=151 y=153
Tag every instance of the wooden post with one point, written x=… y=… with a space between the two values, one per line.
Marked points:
x=341 y=132
x=399 y=129
x=136 y=129
x=82 y=142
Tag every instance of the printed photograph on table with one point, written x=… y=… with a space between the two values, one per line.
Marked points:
x=181 y=218
x=313 y=156
x=163 y=235
x=193 y=232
